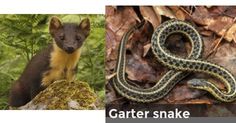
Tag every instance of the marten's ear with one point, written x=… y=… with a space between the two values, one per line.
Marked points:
x=55 y=24
x=85 y=26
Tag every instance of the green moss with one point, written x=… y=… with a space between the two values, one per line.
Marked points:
x=65 y=95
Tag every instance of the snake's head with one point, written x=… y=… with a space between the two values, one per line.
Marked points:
x=197 y=83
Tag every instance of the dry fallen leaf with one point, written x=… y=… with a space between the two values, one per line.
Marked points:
x=230 y=11
x=231 y=33
x=118 y=21
x=139 y=70
x=213 y=20
x=181 y=93
x=199 y=101
x=164 y=11
x=179 y=14
x=226 y=57
x=146 y=48
x=150 y=15
x=110 y=94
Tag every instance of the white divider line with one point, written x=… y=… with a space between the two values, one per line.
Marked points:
x=52 y=116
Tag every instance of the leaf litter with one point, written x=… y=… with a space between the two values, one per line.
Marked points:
x=216 y=24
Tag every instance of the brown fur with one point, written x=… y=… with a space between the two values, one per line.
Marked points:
x=58 y=61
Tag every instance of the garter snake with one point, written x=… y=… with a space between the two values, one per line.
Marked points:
x=179 y=67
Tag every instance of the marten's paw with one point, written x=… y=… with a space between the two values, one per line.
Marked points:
x=48 y=77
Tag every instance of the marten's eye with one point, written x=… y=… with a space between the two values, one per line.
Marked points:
x=78 y=38
x=62 y=37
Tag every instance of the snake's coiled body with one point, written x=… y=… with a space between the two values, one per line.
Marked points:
x=180 y=67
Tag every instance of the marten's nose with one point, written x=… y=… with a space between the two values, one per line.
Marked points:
x=70 y=49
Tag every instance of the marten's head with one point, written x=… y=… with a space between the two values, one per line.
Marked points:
x=69 y=36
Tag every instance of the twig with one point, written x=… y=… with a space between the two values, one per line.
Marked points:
x=220 y=40
x=185 y=11
x=117 y=99
x=108 y=77
x=216 y=46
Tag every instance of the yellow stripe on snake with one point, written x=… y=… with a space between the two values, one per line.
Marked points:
x=179 y=67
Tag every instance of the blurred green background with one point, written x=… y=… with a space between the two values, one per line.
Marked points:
x=21 y=36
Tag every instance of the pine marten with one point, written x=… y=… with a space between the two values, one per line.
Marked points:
x=57 y=61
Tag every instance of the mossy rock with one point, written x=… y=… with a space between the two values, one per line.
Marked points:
x=63 y=95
